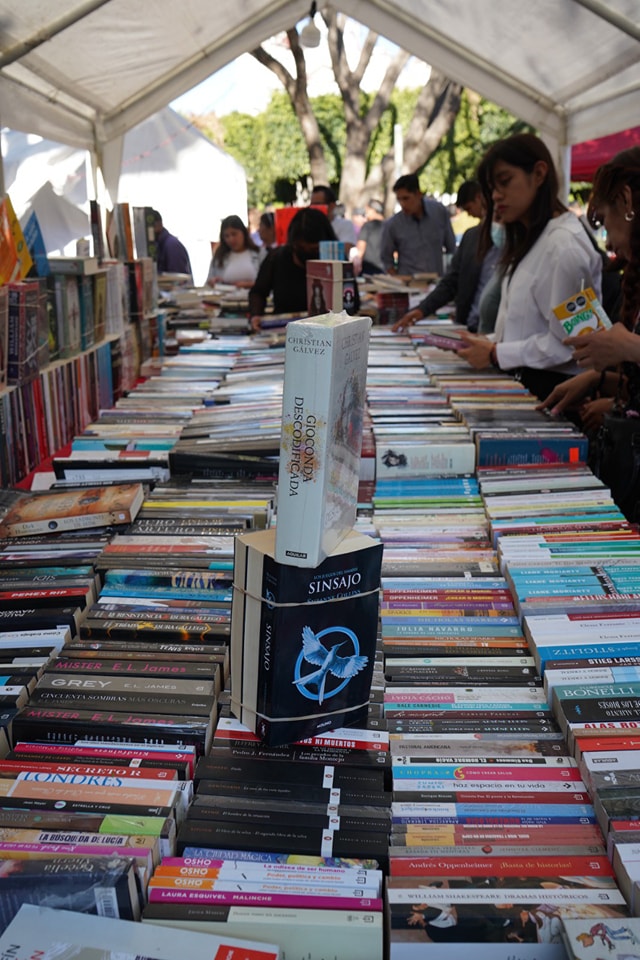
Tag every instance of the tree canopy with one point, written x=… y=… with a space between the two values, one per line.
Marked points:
x=271 y=148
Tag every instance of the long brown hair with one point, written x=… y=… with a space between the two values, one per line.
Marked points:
x=609 y=181
x=223 y=249
x=522 y=150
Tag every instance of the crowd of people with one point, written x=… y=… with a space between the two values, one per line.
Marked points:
x=528 y=253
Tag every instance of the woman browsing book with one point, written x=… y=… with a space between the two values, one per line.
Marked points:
x=236 y=258
x=283 y=272
x=606 y=396
x=610 y=358
x=547 y=256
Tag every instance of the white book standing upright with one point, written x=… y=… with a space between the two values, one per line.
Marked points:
x=322 y=418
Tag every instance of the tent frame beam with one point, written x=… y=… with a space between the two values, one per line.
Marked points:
x=615 y=19
x=535 y=107
x=19 y=50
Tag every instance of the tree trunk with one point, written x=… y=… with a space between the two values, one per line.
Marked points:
x=354 y=172
x=296 y=88
x=434 y=114
x=433 y=117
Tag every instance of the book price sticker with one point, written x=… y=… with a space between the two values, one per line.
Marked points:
x=326 y=846
x=582 y=313
x=328 y=777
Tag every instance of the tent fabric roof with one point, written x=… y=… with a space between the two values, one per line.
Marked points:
x=84 y=72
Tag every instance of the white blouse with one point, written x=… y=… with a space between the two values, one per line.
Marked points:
x=561 y=261
x=237 y=268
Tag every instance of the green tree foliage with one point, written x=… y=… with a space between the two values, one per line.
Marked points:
x=271 y=149
x=479 y=123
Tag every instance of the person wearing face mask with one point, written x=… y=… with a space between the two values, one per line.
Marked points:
x=546 y=258
x=284 y=270
x=468 y=273
x=490 y=297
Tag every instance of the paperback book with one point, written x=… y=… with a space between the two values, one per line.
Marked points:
x=303 y=640
x=321 y=440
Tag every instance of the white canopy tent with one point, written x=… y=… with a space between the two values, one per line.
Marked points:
x=166 y=164
x=84 y=72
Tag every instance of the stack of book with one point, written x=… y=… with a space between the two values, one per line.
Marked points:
x=317 y=810
x=293 y=903
x=508 y=610
x=494 y=835
x=571 y=560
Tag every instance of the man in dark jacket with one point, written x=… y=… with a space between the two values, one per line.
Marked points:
x=172 y=254
x=467 y=274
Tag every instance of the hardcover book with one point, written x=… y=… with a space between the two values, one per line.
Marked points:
x=321 y=441
x=303 y=641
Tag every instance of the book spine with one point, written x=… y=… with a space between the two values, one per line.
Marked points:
x=171 y=704
x=159 y=895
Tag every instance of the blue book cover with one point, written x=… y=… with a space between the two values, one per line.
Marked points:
x=35 y=242
x=160 y=592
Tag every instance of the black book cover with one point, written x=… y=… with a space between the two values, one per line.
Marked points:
x=57 y=725
x=98 y=885
x=129 y=667
x=84 y=807
x=316 y=638
x=170 y=703
x=298 y=840
x=295 y=791
x=227 y=749
x=213 y=768
x=29 y=617
x=155 y=630
x=351 y=818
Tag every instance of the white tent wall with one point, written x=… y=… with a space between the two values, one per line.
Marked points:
x=169 y=165
x=166 y=164
x=85 y=72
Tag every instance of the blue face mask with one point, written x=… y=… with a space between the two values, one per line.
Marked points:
x=497 y=235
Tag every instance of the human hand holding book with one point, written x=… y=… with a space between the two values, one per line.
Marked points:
x=477 y=350
x=605 y=348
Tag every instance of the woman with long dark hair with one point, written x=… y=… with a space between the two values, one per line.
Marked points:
x=236 y=257
x=547 y=256
x=283 y=271
x=614 y=204
x=606 y=395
